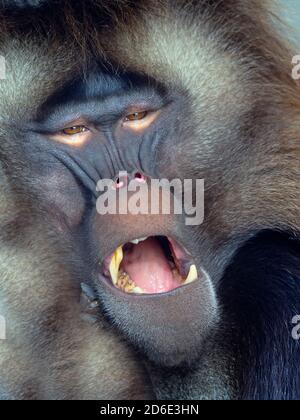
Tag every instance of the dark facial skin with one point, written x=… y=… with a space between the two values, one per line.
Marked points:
x=66 y=169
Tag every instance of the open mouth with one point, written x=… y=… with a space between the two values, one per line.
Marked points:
x=153 y=265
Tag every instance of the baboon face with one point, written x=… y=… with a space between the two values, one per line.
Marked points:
x=162 y=101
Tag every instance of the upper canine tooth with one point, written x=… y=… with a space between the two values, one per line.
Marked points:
x=137 y=241
x=192 y=276
x=115 y=263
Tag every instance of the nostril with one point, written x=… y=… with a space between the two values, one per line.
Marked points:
x=139 y=177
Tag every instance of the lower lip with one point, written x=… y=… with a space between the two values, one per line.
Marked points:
x=107 y=282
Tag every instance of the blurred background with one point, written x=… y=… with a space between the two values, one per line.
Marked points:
x=291 y=12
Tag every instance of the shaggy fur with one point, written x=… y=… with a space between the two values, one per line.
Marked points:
x=230 y=63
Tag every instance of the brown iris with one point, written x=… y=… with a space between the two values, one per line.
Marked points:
x=137 y=116
x=72 y=131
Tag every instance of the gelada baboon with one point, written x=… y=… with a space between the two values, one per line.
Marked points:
x=162 y=89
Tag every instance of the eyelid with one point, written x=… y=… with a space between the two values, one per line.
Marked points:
x=73 y=140
x=141 y=124
x=81 y=138
x=82 y=129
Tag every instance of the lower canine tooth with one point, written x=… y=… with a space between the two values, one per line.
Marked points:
x=115 y=265
x=192 y=276
x=137 y=291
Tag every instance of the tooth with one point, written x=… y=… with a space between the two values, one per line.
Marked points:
x=137 y=291
x=115 y=265
x=137 y=241
x=192 y=276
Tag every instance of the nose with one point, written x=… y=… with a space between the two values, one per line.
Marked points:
x=123 y=179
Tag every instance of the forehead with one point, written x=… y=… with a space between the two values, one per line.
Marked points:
x=182 y=50
x=170 y=48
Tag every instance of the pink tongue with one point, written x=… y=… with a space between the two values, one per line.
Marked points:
x=148 y=267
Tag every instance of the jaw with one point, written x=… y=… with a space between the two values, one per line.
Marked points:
x=163 y=314
x=169 y=328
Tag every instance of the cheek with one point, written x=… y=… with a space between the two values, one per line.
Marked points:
x=62 y=197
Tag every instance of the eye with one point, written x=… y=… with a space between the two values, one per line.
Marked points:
x=140 y=120
x=77 y=129
x=136 y=116
x=75 y=136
